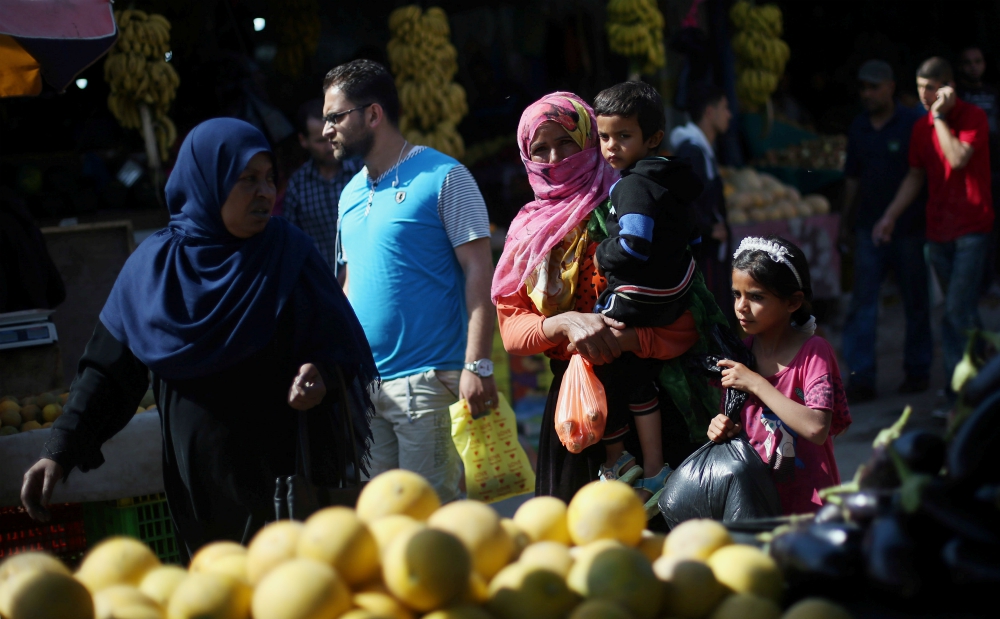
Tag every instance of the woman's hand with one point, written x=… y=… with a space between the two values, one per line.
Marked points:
x=588 y=334
x=739 y=376
x=36 y=491
x=722 y=429
x=308 y=388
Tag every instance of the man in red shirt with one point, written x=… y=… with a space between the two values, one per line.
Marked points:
x=949 y=148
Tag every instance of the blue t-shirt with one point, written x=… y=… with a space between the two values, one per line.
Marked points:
x=404 y=279
x=879 y=159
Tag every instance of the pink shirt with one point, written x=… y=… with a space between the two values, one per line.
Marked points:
x=800 y=468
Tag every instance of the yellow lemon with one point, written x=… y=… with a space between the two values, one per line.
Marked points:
x=606 y=510
x=116 y=561
x=11 y=418
x=301 y=589
x=160 y=583
x=35 y=593
x=519 y=537
x=745 y=569
x=746 y=606
x=118 y=601
x=31 y=561
x=549 y=555
x=478 y=526
x=210 y=552
x=464 y=611
x=619 y=574
x=28 y=426
x=234 y=565
x=32 y=413
x=426 y=569
x=336 y=536
x=397 y=492
x=381 y=604
x=272 y=546
x=10 y=406
x=696 y=539
x=51 y=412
x=386 y=528
x=529 y=592
x=600 y=609
x=816 y=608
x=543 y=518
x=210 y=596
x=651 y=544
x=690 y=589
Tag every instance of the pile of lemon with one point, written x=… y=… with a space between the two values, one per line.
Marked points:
x=31 y=413
x=401 y=555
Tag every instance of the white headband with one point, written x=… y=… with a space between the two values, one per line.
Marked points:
x=777 y=252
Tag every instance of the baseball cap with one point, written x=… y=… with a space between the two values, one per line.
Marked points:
x=875 y=72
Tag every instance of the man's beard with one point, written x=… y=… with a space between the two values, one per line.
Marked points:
x=359 y=148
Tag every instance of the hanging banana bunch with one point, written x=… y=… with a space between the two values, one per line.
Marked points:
x=635 y=30
x=140 y=78
x=760 y=53
x=424 y=63
x=298 y=35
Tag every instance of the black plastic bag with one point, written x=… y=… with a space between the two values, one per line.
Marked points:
x=726 y=481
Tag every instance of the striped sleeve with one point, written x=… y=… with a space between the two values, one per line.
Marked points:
x=461 y=207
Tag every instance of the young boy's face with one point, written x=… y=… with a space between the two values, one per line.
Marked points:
x=622 y=143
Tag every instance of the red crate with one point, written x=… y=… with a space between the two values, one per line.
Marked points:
x=64 y=535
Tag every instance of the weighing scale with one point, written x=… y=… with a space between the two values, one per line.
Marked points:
x=27 y=328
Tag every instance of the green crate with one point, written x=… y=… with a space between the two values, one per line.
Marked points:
x=146 y=518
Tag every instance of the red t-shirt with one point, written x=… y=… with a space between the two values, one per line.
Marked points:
x=959 y=202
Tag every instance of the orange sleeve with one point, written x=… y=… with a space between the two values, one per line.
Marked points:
x=521 y=326
x=667 y=342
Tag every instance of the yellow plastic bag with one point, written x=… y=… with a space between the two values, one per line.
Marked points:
x=496 y=466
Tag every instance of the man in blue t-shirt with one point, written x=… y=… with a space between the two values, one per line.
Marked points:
x=878 y=144
x=415 y=244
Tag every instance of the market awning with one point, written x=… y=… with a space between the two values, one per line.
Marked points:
x=53 y=40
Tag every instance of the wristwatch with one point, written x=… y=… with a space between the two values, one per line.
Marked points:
x=940 y=117
x=480 y=367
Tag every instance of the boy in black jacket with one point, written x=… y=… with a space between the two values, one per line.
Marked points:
x=646 y=257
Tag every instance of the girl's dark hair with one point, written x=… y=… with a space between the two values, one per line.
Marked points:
x=777 y=278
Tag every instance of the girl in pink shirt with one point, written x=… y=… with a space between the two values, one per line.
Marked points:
x=797 y=402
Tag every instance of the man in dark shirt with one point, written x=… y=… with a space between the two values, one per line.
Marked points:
x=695 y=142
x=878 y=145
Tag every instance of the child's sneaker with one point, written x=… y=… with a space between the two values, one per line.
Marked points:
x=614 y=473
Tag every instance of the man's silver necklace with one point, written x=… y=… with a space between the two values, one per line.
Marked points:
x=374 y=184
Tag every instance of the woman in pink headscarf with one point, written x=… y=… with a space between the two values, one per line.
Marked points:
x=546 y=283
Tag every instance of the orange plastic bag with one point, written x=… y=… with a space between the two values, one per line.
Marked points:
x=582 y=407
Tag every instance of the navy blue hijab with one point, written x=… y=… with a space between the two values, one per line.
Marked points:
x=193 y=299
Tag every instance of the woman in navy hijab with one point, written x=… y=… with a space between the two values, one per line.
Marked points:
x=241 y=323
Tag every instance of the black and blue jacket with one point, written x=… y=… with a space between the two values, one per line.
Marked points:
x=646 y=258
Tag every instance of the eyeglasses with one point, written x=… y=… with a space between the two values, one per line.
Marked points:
x=334 y=119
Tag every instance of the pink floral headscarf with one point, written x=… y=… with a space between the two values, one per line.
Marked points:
x=565 y=192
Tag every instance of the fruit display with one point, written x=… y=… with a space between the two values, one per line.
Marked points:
x=828 y=152
x=401 y=555
x=424 y=62
x=635 y=30
x=40 y=411
x=30 y=413
x=760 y=53
x=140 y=76
x=298 y=26
x=753 y=197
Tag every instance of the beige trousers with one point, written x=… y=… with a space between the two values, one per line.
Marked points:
x=412 y=429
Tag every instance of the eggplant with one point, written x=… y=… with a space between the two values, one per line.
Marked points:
x=969 y=562
x=948 y=505
x=922 y=451
x=879 y=473
x=829 y=513
x=824 y=551
x=890 y=556
x=862 y=507
x=975 y=444
x=985 y=383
